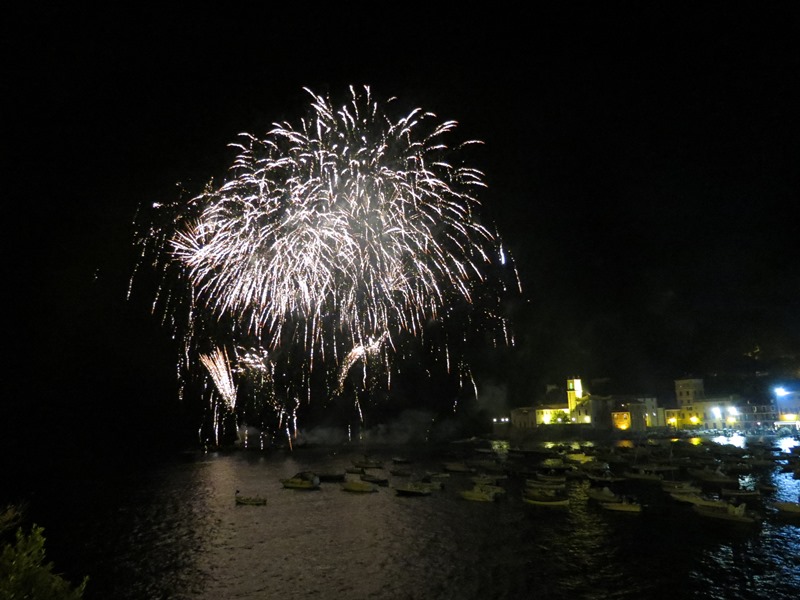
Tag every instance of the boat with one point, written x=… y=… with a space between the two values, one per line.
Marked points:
x=477 y=494
x=384 y=481
x=713 y=476
x=738 y=514
x=686 y=487
x=305 y=480
x=414 y=488
x=624 y=505
x=788 y=508
x=533 y=484
x=545 y=500
x=250 y=500
x=551 y=478
x=487 y=479
x=489 y=487
x=603 y=495
x=740 y=493
x=640 y=474
x=604 y=477
x=698 y=500
x=359 y=487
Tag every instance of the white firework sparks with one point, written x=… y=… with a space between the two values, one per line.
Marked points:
x=335 y=238
x=220 y=370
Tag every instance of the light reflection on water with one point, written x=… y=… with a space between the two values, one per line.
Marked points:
x=174 y=532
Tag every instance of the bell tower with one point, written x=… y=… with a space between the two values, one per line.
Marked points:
x=574 y=393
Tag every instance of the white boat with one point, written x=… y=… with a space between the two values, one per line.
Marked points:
x=738 y=514
x=624 y=506
x=603 y=495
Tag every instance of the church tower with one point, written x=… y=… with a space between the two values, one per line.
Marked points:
x=574 y=393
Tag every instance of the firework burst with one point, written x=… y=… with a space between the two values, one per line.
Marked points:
x=336 y=241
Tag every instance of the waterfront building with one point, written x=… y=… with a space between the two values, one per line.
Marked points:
x=696 y=411
x=787 y=407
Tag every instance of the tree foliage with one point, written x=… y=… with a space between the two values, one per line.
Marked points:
x=24 y=574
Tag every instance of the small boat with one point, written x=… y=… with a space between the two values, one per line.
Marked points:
x=545 y=500
x=713 y=476
x=644 y=475
x=359 y=487
x=533 y=484
x=738 y=514
x=369 y=478
x=486 y=479
x=413 y=489
x=604 y=477
x=305 y=480
x=603 y=495
x=368 y=463
x=686 y=487
x=789 y=508
x=623 y=506
x=740 y=493
x=494 y=489
x=698 y=500
x=250 y=500
x=477 y=495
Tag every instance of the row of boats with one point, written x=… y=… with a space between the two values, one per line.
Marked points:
x=684 y=473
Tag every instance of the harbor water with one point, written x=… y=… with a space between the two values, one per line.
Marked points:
x=170 y=529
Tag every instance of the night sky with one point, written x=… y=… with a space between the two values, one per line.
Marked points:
x=641 y=163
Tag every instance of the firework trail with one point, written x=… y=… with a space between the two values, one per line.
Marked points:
x=336 y=241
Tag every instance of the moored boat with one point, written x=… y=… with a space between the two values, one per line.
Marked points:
x=359 y=487
x=414 y=488
x=305 y=480
x=738 y=514
x=791 y=508
x=477 y=494
x=603 y=495
x=624 y=505
x=545 y=500
x=250 y=500
x=376 y=479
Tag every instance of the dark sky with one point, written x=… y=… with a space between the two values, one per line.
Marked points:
x=641 y=162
